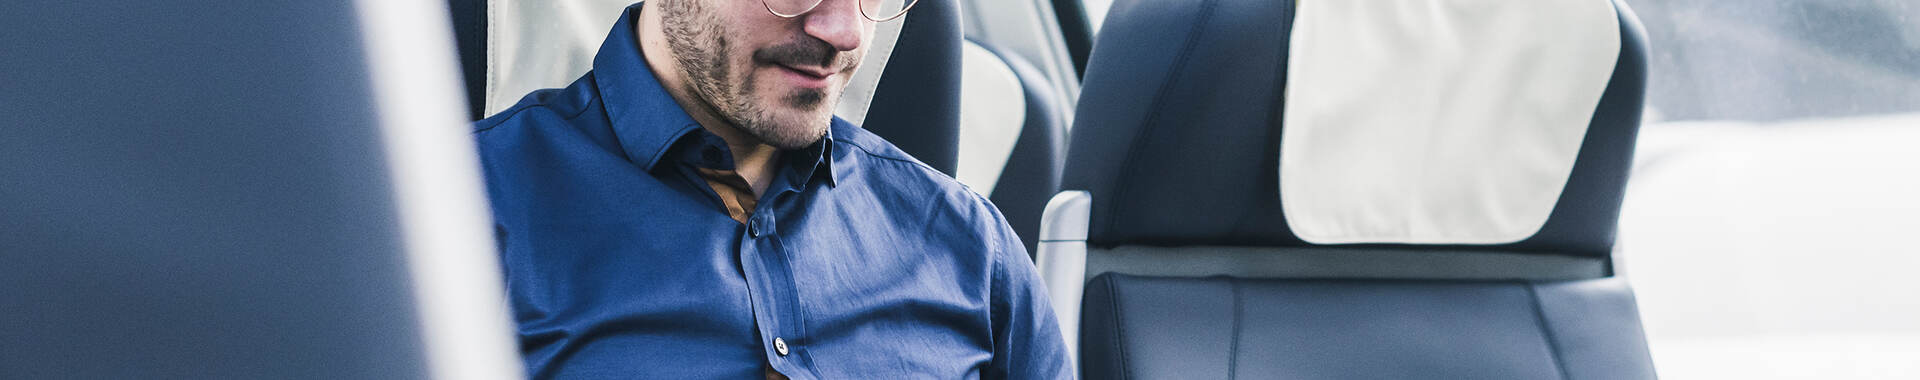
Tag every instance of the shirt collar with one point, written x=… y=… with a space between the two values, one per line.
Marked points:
x=814 y=161
x=648 y=122
x=703 y=149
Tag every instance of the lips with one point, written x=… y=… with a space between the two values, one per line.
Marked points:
x=815 y=72
x=804 y=76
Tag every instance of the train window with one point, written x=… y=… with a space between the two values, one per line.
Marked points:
x=1772 y=181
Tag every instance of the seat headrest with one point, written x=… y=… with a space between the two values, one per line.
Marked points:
x=1459 y=123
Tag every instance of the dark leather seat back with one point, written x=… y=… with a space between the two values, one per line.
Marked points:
x=916 y=105
x=1176 y=253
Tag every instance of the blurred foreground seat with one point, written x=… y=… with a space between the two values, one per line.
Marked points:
x=241 y=190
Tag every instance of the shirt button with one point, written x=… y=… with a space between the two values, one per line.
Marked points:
x=780 y=346
x=753 y=228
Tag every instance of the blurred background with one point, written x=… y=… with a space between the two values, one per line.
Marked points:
x=1768 y=225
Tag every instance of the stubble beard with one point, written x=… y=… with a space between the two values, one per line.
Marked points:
x=698 y=40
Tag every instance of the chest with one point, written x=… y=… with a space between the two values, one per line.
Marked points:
x=595 y=261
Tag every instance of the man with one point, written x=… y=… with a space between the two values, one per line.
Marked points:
x=690 y=208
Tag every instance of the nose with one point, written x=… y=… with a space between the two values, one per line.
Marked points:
x=838 y=22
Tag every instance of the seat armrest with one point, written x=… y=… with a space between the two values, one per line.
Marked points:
x=1062 y=260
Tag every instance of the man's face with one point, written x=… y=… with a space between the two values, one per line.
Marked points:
x=777 y=79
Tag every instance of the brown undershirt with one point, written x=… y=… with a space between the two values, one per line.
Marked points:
x=734 y=192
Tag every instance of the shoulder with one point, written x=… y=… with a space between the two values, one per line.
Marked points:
x=889 y=169
x=549 y=130
x=552 y=104
x=872 y=162
x=854 y=139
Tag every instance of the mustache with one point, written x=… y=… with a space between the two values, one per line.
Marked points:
x=806 y=52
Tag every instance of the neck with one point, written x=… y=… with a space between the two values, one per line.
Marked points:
x=753 y=160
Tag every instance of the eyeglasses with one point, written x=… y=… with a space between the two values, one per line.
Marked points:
x=876 y=10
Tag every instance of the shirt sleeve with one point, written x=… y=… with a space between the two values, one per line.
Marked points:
x=1026 y=336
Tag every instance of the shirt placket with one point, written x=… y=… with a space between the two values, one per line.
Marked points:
x=776 y=298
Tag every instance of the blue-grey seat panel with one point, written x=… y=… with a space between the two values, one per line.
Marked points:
x=1137 y=327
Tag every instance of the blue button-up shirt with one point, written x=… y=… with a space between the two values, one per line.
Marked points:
x=622 y=263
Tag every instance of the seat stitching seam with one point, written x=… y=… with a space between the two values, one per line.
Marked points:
x=1233 y=351
x=1119 y=326
x=1159 y=97
x=1540 y=319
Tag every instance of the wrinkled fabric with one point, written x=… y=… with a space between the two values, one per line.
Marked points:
x=622 y=262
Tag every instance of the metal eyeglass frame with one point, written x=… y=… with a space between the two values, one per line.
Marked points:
x=858 y=3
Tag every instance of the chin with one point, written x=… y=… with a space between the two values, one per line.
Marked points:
x=797 y=121
x=791 y=129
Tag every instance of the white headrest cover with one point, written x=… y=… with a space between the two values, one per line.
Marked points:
x=993 y=112
x=536 y=44
x=1438 y=121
